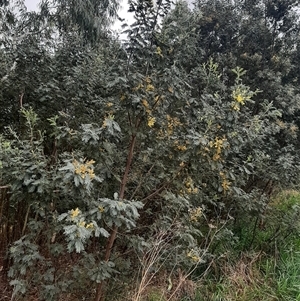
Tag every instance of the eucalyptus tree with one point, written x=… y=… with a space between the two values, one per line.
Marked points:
x=89 y=18
x=43 y=47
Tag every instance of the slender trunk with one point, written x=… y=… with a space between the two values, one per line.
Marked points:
x=112 y=238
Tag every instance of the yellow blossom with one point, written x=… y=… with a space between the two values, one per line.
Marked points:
x=84 y=169
x=139 y=86
x=158 y=51
x=218 y=144
x=109 y=104
x=75 y=213
x=90 y=162
x=91 y=174
x=149 y=88
x=81 y=224
x=145 y=103
x=216 y=157
x=151 y=121
x=90 y=226
x=182 y=148
x=195 y=214
x=193 y=256
x=225 y=183
x=172 y=123
x=101 y=209
x=122 y=97
x=189 y=182
x=190 y=187
x=241 y=94
x=239 y=98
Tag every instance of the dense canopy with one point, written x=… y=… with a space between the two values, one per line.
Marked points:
x=177 y=135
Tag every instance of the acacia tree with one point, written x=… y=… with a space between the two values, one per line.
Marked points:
x=161 y=128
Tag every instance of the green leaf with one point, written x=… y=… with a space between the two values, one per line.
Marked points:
x=79 y=247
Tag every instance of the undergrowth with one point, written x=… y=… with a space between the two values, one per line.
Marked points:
x=266 y=270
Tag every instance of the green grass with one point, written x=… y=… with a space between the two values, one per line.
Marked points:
x=271 y=271
x=288 y=276
x=266 y=280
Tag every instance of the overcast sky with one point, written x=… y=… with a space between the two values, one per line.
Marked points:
x=33 y=5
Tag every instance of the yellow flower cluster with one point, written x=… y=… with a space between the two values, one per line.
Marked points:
x=84 y=169
x=74 y=213
x=101 y=209
x=171 y=124
x=159 y=51
x=90 y=226
x=193 y=256
x=218 y=144
x=81 y=223
x=146 y=106
x=145 y=103
x=240 y=95
x=151 y=121
x=190 y=186
x=138 y=87
x=240 y=98
x=181 y=148
x=195 y=214
x=109 y=116
x=225 y=182
x=150 y=88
